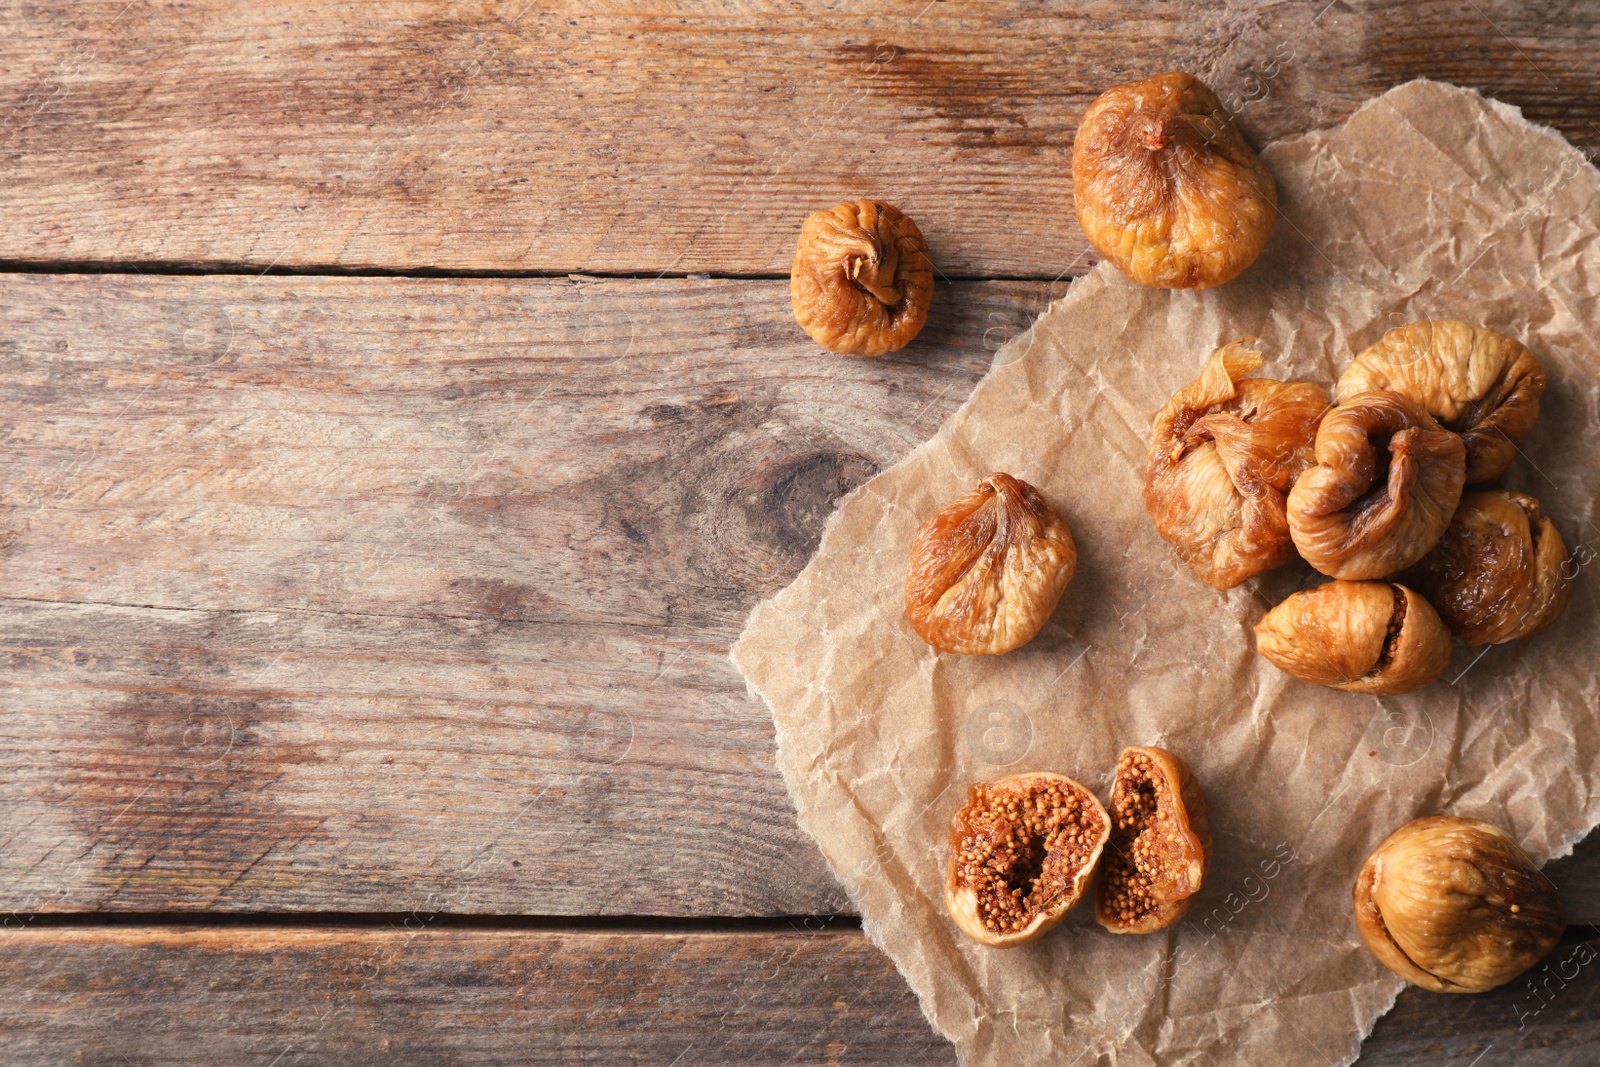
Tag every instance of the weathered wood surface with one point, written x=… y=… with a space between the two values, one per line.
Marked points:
x=439 y=996
x=383 y=594
x=426 y=994
x=379 y=594
x=517 y=135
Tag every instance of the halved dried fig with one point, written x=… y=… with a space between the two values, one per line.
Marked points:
x=1454 y=905
x=1481 y=384
x=1387 y=479
x=1021 y=855
x=1223 y=453
x=1166 y=187
x=862 y=280
x=1160 y=844
x=1495 y=575
x=987 y=571
x=1362 y=637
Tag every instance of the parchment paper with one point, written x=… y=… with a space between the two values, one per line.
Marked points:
x=1429 y=202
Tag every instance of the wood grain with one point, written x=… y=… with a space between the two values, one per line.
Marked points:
x=424 y=993
x=646 y=137
x=345 y=594
x=439 y=996
x=414 y=594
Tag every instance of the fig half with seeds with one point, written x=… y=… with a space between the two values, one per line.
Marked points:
x=1160 y=844
x=1022 y=852
x=1361 y=637
x=1495 y=575
x=988 y=570
x=1478 y=383
x=1165 y=186
x=1454 y=905
x=862 y=280
x=1386 y=481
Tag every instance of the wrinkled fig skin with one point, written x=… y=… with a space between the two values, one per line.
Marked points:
x=987 y=571
x=1160 y=847
x=1386 y=481
x=1223 y=453
x=1454 y=905
x=1166 y=188
x=1495 y=575
x=1014 y=874
x=1477 y=383
x=862 y=280
x=1361 y=637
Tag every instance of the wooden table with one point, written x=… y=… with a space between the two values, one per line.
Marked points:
x=401 y=413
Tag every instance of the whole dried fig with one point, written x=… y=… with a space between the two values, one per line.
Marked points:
x=1223 y=453
x=862 y=280
x=1160 y=844
x=1386 y=481
x=1362 y=637
x=987 y=571
x=1021 y=855
x=1166 y=187
x=1495 y=575
x=1478 y=383
x=1454 y=905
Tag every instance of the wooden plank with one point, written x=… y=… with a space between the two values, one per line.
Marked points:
x=238 y=760
x=1577 y=877
x=515 y=135
x=443 y=996
x=342 y=594
x=429 y=994
x=430 y=447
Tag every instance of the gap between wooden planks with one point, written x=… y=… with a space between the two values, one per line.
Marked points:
x=655 y=137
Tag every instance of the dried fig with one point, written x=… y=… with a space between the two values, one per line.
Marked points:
x=987 y=571
x=1021 y=855
x=1160 y=844
x=862 y=279
x=1165 y=186
x=1454 y=905
x=1495 y=575
x=1223 y=453
x=1362 y=637
x=1386 y=481
x=1478 y=383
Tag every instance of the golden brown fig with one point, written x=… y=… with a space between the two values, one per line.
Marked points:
x=987 y=571
x=862 y=280
x=1478 y=383
x=1362 y=637
x=1021 y=855
x=1495 y=575
x=1160 y=844
x=1223 y=453
x=1166 y=188
x=1454 y=905
x=1387 y=479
